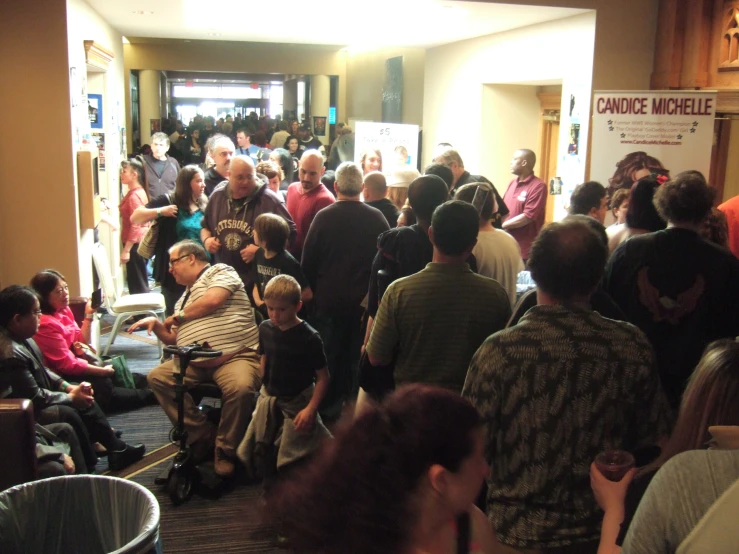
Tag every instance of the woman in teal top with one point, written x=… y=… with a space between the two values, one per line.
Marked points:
x=179 y=216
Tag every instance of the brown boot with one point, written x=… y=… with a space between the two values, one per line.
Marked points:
x=224 y=466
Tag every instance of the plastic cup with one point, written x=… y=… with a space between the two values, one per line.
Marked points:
x=614 y=464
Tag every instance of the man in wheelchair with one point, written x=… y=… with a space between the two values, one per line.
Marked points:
x=215 y=310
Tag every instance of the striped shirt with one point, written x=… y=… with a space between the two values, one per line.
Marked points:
x=230 y=328
x=437 y=319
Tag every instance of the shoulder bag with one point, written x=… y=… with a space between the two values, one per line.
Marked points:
x=148 y=244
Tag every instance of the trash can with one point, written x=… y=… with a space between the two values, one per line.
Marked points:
x=79 y=513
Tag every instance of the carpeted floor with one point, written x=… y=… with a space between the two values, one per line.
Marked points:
x=231 y=523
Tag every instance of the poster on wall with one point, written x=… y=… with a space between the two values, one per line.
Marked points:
x=397 y=143
x=660 y=133
x=95 y=110
x=99 y=140
x=319 y=126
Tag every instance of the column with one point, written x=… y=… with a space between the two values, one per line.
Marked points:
x=150 y=101
x=320 y=98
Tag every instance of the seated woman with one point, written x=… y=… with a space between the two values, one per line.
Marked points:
x=63 y=345
x=180 y=215
x=408 y=471
x=23 y=375
x=710 y=399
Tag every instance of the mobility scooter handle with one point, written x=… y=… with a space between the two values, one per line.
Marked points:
x=193 y=351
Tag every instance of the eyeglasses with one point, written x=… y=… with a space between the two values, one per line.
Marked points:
x=61 y=290
x=37 y=313
x=172 y=262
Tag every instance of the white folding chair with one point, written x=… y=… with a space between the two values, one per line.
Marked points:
x=151 y=303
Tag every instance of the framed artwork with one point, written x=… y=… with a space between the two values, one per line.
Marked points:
x=95 y=110
x=319 y=126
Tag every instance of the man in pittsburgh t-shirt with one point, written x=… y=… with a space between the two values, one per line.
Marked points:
x=229 y=218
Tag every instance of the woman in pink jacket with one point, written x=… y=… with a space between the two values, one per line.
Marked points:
x=63 y=345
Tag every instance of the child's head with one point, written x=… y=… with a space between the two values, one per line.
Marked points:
x=282 y=297
x=272 y=232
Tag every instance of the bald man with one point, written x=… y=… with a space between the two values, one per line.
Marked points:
x=307 y=197
x=526 y=198
x=227 y=231
x=374 y=191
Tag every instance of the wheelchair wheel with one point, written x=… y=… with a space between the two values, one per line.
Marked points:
x=181 y=485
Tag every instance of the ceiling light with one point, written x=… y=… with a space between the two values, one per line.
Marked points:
x=214 y=34
x=142 y=12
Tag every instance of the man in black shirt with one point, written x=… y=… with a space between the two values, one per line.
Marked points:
x=681 y=290
x=337 y=258
x=161 y=169
x=374 y=191
x=221 y=149
x=453 y=161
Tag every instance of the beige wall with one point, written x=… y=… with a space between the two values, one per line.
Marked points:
x=453 y=93
x=510 y=114
x=38 y=226
x=365 y=77
x=242 y=57
x=85 y=24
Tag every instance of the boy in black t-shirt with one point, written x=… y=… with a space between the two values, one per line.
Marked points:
x=285 y=427
x=270 y=234
x=291 y=351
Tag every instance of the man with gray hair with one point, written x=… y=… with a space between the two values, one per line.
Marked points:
x=453 y=161
x=221 y=149
x=161 y=170
x=337 y=259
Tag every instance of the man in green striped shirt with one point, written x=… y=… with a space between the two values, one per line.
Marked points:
x=431 y=323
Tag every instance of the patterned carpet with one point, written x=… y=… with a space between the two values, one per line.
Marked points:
x=231 y=523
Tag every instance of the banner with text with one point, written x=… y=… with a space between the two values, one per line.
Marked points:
x=398 y=143
x=636 y=134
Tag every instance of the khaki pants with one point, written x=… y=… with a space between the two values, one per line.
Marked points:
x=239 y=380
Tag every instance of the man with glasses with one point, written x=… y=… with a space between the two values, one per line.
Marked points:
x=215 y=310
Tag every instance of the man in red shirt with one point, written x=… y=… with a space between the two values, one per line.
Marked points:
x=526 y=198
x=731 y=211
x=307 y=197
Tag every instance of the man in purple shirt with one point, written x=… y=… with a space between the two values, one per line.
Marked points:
x=526 y=198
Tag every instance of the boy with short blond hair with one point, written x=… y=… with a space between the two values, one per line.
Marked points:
x=286 y=427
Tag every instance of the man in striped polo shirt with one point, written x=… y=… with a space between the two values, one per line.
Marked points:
x=437 y=318
x=214 y=309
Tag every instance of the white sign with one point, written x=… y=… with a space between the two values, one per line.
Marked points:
x=636 y=134
x=398 y=143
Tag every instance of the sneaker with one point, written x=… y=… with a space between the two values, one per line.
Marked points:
x=120 y=459
x=224 y=466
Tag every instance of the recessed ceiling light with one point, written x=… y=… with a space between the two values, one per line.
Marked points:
x=142 y=12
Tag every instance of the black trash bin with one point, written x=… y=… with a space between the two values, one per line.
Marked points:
x=81 y=513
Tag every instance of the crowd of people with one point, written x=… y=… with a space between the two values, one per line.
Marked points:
x=398 y=288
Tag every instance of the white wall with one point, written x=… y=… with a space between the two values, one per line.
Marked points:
x=510 y=117
x=455 y=93
x=83 y=23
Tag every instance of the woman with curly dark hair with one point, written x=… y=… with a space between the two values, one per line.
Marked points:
x=399 y=479
x=635 y=166
x=641 y=215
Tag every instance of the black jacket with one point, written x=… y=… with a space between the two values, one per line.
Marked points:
x=23 y=375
